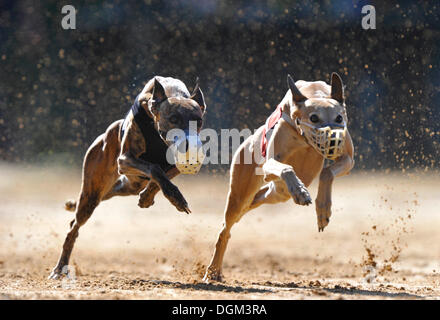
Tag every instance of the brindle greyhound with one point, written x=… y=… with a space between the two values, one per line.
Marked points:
x=129 y=158
x=297 y=158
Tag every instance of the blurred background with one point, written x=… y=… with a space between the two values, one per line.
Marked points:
x=59 y=89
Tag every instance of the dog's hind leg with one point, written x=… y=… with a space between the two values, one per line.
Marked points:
x=146 y=189
x=233 y=213
x=126 y=187
x=244 y=184
x=99 y=174
x=240 y=201
x=122 y=187
x=85 y=208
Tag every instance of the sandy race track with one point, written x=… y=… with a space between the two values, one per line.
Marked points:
x=383 y=242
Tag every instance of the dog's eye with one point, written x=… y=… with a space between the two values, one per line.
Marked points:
x=174 y=119
x=314 y=118
x=339 y=119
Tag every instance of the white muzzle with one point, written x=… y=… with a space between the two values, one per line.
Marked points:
x=327 y=141
x=187 y=153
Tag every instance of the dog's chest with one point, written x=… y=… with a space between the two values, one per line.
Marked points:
x=156 y=148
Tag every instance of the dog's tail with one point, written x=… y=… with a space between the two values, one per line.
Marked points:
x=70 y=205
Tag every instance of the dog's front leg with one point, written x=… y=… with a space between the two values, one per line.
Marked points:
x=146 y=196
x=340 y=167
x=129 y=165
x=274 y=169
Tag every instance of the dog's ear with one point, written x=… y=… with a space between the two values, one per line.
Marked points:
x=158 y=92
x=297 y=96
x=196 y=86
x=157 y=97
x=337 y=92
x=198 y=97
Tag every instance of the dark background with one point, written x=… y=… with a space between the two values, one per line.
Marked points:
x=59 y=89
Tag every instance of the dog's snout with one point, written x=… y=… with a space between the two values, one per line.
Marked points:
x=189 y=154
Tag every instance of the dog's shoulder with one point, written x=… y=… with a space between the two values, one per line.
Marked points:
x=132 y=140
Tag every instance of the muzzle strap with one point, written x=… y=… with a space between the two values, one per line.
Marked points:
x=270 y=124
x=327 y=141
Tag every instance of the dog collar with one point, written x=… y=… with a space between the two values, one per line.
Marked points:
x=288 y=119
x=293 y=123
x=270 y=123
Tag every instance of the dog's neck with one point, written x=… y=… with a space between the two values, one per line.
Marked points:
x=286 y=115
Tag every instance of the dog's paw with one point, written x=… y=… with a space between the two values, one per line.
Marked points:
x=300 y=195
x=142 y=203
x=172 y=193
x=146 y=197
x=212 y=276
x=56 y=274
x=323 y=213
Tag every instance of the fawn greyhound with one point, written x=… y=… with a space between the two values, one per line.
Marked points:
x=308 y=126
x=130 y=157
